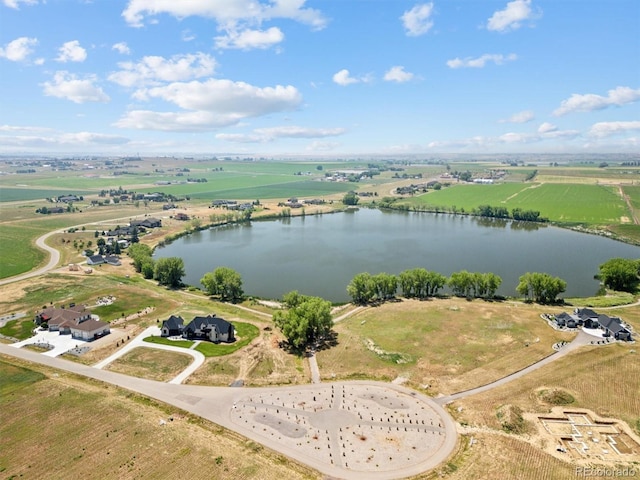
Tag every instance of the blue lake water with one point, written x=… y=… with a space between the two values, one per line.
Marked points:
x=319 y=255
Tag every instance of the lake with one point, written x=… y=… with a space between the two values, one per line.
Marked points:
x=319 y=255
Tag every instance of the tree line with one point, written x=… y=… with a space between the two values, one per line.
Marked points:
x=420 y=283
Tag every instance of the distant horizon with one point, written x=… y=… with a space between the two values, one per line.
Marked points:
x=318 y=157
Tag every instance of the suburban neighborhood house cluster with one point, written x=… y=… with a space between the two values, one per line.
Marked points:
x=613 y=327
x=212 y=328
x=75 y=320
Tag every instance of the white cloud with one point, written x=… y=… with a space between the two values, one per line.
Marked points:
x=71 y=52
x=69 y=86
x=417 y=21
x=264 y=135
x=520 y=117
x=211 y=104
x=344 y=78
x=225 y=12
x=607 y=129
x=242 y=138
x=152 y=70
x=19 y=49
x=589 y=102
x=300 y=132
x=249 y=39
x=318 y=146
x=512 y=16
x=480 y=62
x=547 y=127
x=398 y=74
x=16 y=3
x=122 y=48
x=187 y=35
x=56 y=139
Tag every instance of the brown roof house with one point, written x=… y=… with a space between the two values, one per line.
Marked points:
x=75 y=320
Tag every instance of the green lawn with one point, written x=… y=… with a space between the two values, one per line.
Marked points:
x=20 y=329
x=245 y=333
x=566 y=203
x=166 y=341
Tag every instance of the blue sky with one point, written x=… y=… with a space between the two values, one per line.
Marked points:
x=319 y=77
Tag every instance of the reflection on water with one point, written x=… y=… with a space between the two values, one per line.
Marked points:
x=320 y=256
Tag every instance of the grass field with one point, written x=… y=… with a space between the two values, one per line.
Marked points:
x=64 y=427
x=449 y=344
x=586 y=374
x=19 y=251
x=565 y=203
x=9 y=194
x=152 y=364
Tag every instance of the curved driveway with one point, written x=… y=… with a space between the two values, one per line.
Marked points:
x=138 y=341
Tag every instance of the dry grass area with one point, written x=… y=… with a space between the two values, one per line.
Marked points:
x=261 y=363
x=490 y=456
x=84 y=429
x=448 y=344
x=152 y=364
x=604 y=379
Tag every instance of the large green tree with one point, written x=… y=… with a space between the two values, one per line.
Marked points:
x=306 y=322
x=350 y=198
x=362 y=289
x=139 y=253
x=421 y=283
x=541 y=287
x=169 y=271
x=620 y=274
x=225 y=282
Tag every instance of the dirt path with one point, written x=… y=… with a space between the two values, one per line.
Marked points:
x=632 y=211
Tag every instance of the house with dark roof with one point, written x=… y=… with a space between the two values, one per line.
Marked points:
x=613 y=327
x=567 y=320
x=585 y=317
x=147 y=223
x=95 y=260
x=172 y=327
x=211 y=328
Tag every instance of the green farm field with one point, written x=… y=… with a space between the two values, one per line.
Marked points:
x=19 y=253
x=564 y=203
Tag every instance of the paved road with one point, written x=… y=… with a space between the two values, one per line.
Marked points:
x=265 y=414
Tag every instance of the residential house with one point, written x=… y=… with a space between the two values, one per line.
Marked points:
x=95 y=260
x=89 y=329
x=54 y=316
x=211 y=328
x=147 y=223
x=75 y=320
x=613 y=327
x=172 y=327
x=181 y=216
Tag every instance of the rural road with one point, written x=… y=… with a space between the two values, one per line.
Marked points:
x=341 y=429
